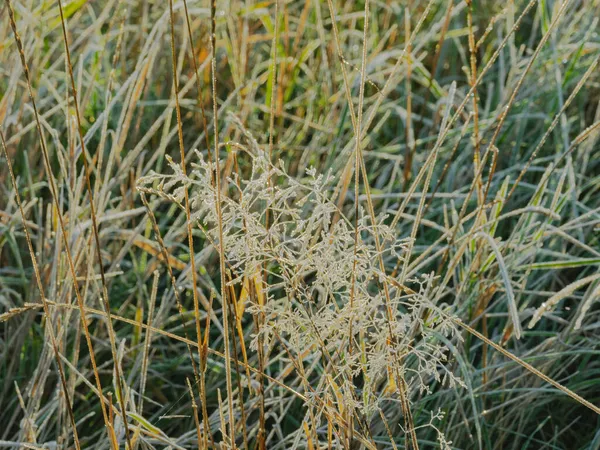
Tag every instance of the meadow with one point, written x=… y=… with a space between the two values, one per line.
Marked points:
x=367 y=224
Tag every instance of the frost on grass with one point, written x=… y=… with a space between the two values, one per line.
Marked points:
x=324 y=301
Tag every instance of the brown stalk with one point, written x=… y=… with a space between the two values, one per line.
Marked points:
x=358 y=125
x=186 y=193
x=261 y=319
x=250 y=282
x=410 y=138
x=358 y=134
x=54 y=193
x=213 y=45
x=105 y=298
x=195 y=409
x=472 y=81
x=147 y=342
x=98 y=158
x=532 y=59
x=434 y=65
x=274 y=85
x=232 y=305
x=198 y=376
x=258 y=323
x=387 y=429
x=40 y=287
x=198 y=86
x=204 y=352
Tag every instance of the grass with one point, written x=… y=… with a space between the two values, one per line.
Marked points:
x=311 y=225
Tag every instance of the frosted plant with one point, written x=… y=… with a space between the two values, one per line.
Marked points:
x=314 y=307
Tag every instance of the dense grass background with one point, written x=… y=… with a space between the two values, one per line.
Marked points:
x=478 y=204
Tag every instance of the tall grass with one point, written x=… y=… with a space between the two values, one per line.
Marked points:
x=300 y=225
